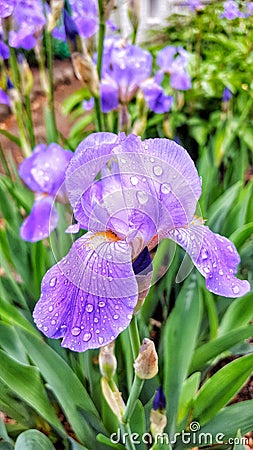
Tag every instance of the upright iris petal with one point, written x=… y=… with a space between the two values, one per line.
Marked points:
x=129 y=194
x=174 y=61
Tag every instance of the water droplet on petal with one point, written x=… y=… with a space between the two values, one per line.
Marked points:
x=134 y=181
x=129 y=316
x=158 y=170
x=115 y=316
x=96 y=320
x=86 y=337
x=152 y=160
x=206 y=270
x=89 y=307
x=52 y=282
x=50 y=309
x=230 y=248
x=123 y=160
x=101 y=304
x=76 y=331
x=204 y=254
x=142 y=197
x=100 y=340
x=165 y=188
x=221 y=272
x=45 y=328
x=236 y=289
x=53 y=322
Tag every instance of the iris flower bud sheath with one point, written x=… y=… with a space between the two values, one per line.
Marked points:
x=146 y=364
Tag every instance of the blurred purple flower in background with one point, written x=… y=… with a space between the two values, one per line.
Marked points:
x=158 y=101
x=85 y=15
x=129 y=194
x=231 y=10
x=4 y=98
x=43 y=172
x=174 y=62
x=4 y=50
x=227 y=94
x=194 y=5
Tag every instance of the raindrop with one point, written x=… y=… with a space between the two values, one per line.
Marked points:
x=89 y=307
x=45 y=328
x=86 y=337
x=100 y=340
x=115 y=316
x=96 y=320
x=152 y=160
x=204 y=254
x=76 y=331
x=53 y=322
x=236 y=289
x=52 y=282
x=50 y=309
x=123 y=160
x=165 y=188
x=134 y=181
x=142 y=197
x=101 y=304
x=158 y=170
x=230 y=248
x=146 y=146
x=129 y=316
x=221 y=272
x=206 y=270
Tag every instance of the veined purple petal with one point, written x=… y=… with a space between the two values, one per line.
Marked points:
x=4 y=98
x=41 y=221
x=88 y=298
x=4 y=51
x=214 y=256
x=23 y=38
x=155 y=97
x=180 y=80
x=44 y=171
x=109 y=95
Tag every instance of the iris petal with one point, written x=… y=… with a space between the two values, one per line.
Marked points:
x=41 y=221
x=88 y=298
x=214 y=256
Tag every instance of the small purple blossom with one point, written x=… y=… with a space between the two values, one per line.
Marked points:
x=227 y=94
x=231 y=10
x=194 y=5
x=88 y=104
x=174 y=61
x=85 y=15
x=158 y=101
x=129 y=194
x=43 y=172
x=4 y=51
x=159 y=402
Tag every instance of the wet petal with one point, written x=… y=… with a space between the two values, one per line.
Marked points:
x=88 y=297
x=215 y=257
x=41 y=221
x=44 y=171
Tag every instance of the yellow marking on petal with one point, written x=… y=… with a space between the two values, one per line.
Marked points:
x=198 y=221
x=104 y=236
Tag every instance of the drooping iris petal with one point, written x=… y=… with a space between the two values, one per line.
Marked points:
x=44 y=171
x=23 y=38
x=88 y=297
x=85 y=15
x=180 y=80
x=165 y=57
x=155 y=97
x=30 y=12
x=109 y=95
x=41 y=221
x=214 y=256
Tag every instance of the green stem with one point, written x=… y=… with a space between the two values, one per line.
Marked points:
x=30 y=120
x=18 y=111
x=101 y=35
x=134 y=337
x=98 y=114
x=49 y=49
x=133 y=397
x=126 y=433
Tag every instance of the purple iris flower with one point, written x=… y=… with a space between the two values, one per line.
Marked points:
x=43 y=172
x=88 y=104
x=155 y=97
x=231 y=10
x=127 y=66
x=6 y=8
x=194 y=5
x=174 y=61
x=129 y=194
x=249 y=9
x=4 y=98
x=85 y=15
x=159 y=402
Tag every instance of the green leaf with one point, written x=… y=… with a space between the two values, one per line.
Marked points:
x=109 y=443
x=11 y=137
x=239 y=236
x=3 y=432
x=188 y=392
x=12 y=315
x=238 y=314
x=33 y=440
x=10 y=342
x=25 y=380
x=214 y=348
x=179 y=340
x=138 y=423
x=73 y=100
x=220 y=388
x=80 y=125
x=65 y=385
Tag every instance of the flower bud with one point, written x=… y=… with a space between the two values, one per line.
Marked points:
x=85 y=71
x=26 y=77
x=113 y=398
x=107 y=361
x=108 y=6
x=146 y=363
x=53 y=16
x=158 y=418
x=134 y=8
